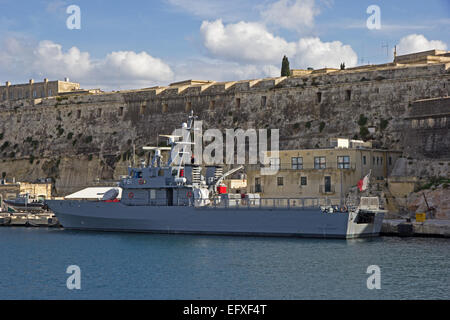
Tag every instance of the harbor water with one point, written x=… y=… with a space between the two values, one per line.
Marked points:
x=33 y=265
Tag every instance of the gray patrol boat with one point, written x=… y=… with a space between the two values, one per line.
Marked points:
x=177 y=198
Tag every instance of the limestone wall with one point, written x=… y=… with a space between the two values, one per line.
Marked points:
x=78 y=139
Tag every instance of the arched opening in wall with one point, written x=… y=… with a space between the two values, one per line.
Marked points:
x=165 y=108
x=319 y=97
x=120 y=111
x=188 y=107
x=212 y=104
x=142 y=111
x=348 y=95
x=238 y=103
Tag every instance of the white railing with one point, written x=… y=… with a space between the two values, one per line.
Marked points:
x=276 y=203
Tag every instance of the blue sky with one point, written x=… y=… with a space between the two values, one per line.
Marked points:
x=137 y=43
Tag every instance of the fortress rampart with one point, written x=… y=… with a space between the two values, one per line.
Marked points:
x=80 y=137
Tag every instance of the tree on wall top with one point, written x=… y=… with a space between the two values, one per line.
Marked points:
x=285 y=70
x=343 y=66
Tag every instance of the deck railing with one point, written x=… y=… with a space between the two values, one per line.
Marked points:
x=276 y=203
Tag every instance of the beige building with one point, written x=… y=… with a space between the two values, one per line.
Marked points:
x=321 y=172
x=35 y=90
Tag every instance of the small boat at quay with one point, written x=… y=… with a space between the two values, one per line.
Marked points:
x=23 y=202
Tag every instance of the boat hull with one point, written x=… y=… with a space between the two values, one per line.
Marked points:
x=308 y=222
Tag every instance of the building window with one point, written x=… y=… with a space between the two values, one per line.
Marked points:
x=4 y=95
x=258 y=185
x=212 y=104
x=297 y=163
x=303 y=181
x=78 y=114
x=377 y=90
x=327 y=186
x=11 y=96
x=279 y=181
x=373 y=160
x=378 y=160
x=142 y=111
x=34 y=94
x=364 y=160
x=319 y=97
x=343 y=162
x=348 y=95
x=263 y=101
x=390 y=161
x=165 y=107
x=120 y=111
x=275 y=163
x=320 y=163
x=238 y=103
x=99 y=112
x=50 y=92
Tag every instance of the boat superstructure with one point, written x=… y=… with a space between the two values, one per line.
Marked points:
x=180 y=196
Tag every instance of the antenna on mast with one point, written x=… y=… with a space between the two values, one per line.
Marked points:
x=386 y=45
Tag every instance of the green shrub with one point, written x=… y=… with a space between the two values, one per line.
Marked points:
x=321 y=126
x=69 y=136
x=383 y=124
x=362 y=120
x=88 y=139
x=4 y=145
x=308 y=125
x=363 y=132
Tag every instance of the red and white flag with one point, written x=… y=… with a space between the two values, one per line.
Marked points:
x=364 y=182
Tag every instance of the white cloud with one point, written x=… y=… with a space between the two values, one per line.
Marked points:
x=243 y=41
x=417 y=42
x=124 y=69
x=312 y=52
x=246 y=42
x=291 y=14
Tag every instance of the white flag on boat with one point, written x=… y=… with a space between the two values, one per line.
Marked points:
x=364 y=182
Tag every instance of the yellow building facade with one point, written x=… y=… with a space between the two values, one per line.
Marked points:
x=327 y=172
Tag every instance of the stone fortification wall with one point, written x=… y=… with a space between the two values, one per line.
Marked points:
x=82 y=138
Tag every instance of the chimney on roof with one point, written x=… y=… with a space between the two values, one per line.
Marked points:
x=8 y=83
x=66 y=79
x=31 y=81
x=45 y=80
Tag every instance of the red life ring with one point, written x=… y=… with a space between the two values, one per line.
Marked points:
x=141 y=181
x=131 y=195
x=189 y=194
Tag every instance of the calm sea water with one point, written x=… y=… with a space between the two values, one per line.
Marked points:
x=33 y=265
